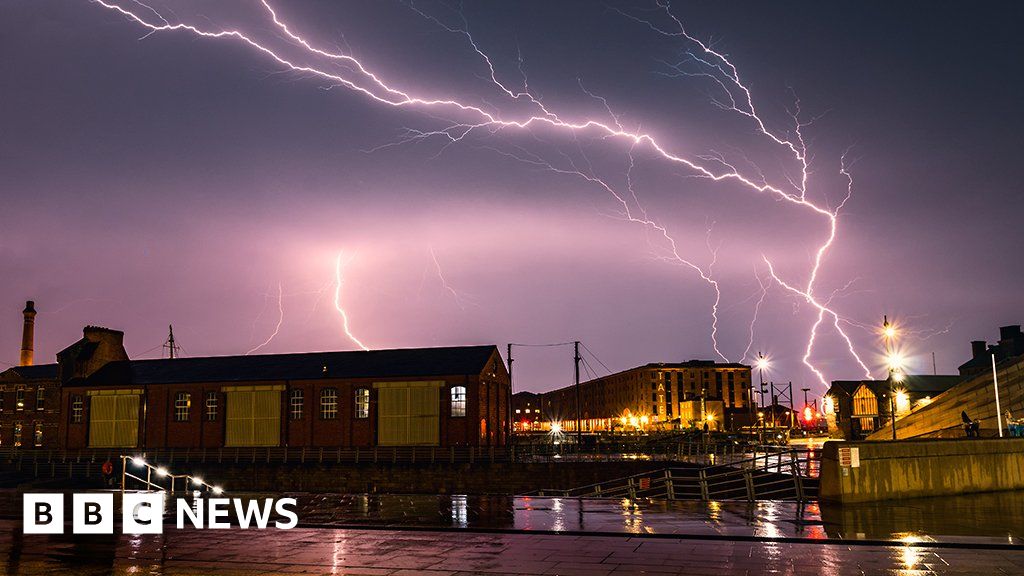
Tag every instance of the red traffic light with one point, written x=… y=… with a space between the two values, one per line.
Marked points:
x=808 y=414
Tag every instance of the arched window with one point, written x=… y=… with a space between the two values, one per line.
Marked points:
x=296 y=399
x=362 y=403
x=329 y=403
x=182 y=405
x=458 y=401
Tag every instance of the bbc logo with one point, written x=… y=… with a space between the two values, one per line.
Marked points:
x=93 y=513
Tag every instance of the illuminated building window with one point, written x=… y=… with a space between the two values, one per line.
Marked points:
x=76 y=409
x=37 y=434
x=211 y=406
x=459 y=401
x=329 y=403
x=19 y=399
x=865 y=403
x=17 y=433
x=182 y=406
x=40 y=398
x=363 y=403
x=296 y=399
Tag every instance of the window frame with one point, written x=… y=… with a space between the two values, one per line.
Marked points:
x=362 y=403
x=328 y=403
x=77 y=409
x=40 y=398
x=212 y=406
x=296 y=403
x=182 y=412
x=459 y=401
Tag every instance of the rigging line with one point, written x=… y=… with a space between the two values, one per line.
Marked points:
x=596 y=358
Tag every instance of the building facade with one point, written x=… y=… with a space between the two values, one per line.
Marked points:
x=855 y=409
x=686 y=394
x=95 y=397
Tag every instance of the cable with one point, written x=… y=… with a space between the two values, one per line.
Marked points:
x=596 y=358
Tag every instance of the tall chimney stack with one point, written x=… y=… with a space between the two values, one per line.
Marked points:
x=28 y=333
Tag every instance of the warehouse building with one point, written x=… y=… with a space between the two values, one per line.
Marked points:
x=96 y=397
x=657 y=395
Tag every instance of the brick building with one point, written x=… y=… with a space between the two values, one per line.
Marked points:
x=657 y=395
x=96 y=397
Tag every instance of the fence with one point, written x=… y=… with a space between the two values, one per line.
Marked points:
x=777 y=476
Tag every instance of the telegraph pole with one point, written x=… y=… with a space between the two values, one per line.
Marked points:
x=171 y=347
x=576 y=361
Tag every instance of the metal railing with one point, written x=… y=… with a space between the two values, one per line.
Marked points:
x=269 y=455
x=780 y=476
x=160 y=472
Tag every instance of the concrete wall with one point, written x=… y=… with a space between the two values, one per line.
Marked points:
x=922 y=468
x=976 y=396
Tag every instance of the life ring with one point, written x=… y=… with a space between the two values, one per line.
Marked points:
x=108 y=468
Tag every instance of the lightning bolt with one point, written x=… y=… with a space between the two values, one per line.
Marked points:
x=339 y=281
x=280 y=320
x=350 y=73
x=444 y=281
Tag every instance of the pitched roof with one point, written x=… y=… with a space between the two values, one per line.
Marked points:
x=848 y=387
x=398 y=363
x=38 y=372
x=927 y=383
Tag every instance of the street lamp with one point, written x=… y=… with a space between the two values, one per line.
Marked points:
x=762 y=364
x=895 y=363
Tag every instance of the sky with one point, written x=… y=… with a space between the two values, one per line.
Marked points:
x=157 y=177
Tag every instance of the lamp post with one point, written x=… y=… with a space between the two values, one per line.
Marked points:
x=761 y=364
x=995 y=382
x=895 y=363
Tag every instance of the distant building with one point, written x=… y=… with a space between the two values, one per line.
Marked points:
x=96 y=397
x=856 y=408
x=974 y=394
x=526 y=413
x=661 y=395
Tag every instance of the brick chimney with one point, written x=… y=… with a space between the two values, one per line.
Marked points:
x=28 y=332
x=978 y=348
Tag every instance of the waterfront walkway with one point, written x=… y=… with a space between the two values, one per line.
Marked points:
x=457 y=553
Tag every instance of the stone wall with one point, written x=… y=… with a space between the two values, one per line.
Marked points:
x=976 y=396
x=921 y=468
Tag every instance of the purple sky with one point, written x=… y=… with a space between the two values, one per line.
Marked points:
x=186 y=180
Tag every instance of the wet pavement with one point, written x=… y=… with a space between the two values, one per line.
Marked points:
x=996 y=518
x=393 y=552
x=442 y=535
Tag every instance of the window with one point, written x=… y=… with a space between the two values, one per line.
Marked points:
x=211 y=406
x=76 y=409
x=329 y=403
x=459 y=401
x=40 y=398
x=17 y=433
x=182 y=404
x=865 y=403
x=296 y=398
x=37 y=435
x=19 y=397
x=363 y=403
x=3 y=394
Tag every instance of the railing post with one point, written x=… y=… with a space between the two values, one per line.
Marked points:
x=124 y=468
x=748 y=478
x=670 y=490
x=705 y=493
x=632 y=489
x=798 y=481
